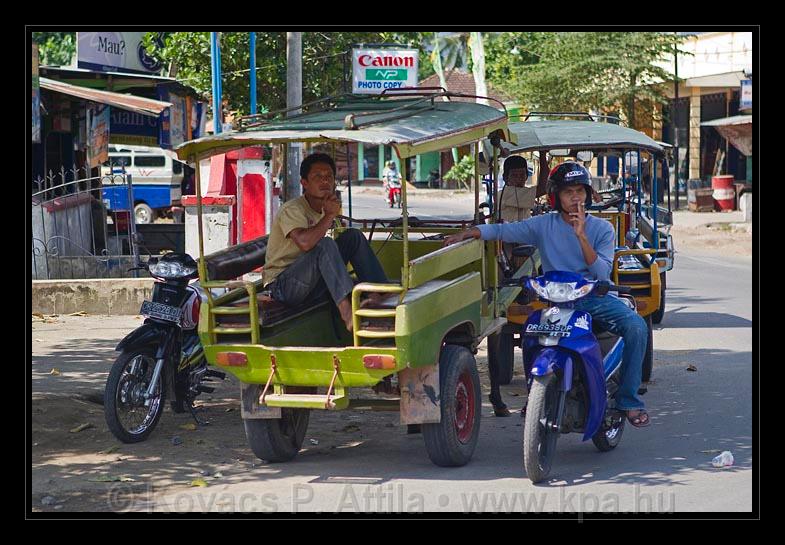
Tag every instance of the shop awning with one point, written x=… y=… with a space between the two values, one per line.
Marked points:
x=410 y=126
x=144 y=106
x=737 y=130
x=579 y=135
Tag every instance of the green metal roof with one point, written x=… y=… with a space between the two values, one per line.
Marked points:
x=411 y=126
x=578 y=135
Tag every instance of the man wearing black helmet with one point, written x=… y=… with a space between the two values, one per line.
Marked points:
x=572 y=240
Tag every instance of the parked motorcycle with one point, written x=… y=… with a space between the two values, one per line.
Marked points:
x=161 y=358
x=572 y=374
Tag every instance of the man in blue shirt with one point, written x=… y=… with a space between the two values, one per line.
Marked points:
x=572 y=240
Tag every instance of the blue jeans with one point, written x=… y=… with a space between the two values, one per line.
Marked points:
x=612 y=314
x=322 y=270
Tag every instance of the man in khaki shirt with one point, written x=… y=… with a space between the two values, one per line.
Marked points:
x=301 y=262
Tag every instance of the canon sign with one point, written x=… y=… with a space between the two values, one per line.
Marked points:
x=375 y=70
x=370 y=60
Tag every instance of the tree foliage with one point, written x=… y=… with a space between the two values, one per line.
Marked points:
x=323 y=63
x=55 y=48
x=568 y=71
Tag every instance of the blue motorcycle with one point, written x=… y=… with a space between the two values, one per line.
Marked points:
x=572 y=370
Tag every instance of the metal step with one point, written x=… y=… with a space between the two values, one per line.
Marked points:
x=306 y=401
x=375 y=313
x=231 y=330
x=230 y=310
x=376 y=334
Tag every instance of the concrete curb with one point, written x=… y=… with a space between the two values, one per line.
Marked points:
x=111 y=296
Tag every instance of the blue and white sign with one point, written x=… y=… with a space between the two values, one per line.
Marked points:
x=114 y=52
x=133 y=128
x=746 y=95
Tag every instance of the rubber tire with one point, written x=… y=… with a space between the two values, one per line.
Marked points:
x=535 y=410
x=503 y=351
x=145 y=208
x=648 y=357
x=267 y=440
x=601 y=440
x=660 y=313
x=441 y=440
x=110 y=397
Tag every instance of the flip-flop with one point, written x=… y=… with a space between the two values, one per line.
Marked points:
x=640 y=420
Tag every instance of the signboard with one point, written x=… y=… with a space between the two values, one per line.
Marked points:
x=36 y=98
x=98 y=138
x=746 y=95
x=173 y=122
x=375 y=70
x=114 y=52
x=133 y=128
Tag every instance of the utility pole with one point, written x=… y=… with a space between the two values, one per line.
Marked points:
x=294 y=99
x=215 y=57
x=253 y=73
x=675 y=111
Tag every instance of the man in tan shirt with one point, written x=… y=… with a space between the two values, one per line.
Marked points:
x=301 y=262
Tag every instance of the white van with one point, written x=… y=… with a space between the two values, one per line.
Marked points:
x=156 y=178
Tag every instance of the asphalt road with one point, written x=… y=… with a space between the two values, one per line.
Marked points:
x=664 y=468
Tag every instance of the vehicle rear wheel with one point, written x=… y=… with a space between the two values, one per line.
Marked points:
x=648 y=358
x=660 y=313
x=539 y=433
x=278 y=439
x=451 y=442
x=143 y=214
x=609 y=434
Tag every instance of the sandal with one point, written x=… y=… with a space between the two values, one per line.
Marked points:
x=640 y=420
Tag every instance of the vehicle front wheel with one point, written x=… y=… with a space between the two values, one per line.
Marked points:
x=451 y=442
x=143 y=213
x=539 y=432
x=130 y=417
x=278 y=439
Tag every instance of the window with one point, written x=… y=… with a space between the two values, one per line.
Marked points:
x=118 y=161
x=149 y=161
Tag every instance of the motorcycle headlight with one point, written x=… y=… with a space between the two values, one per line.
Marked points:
x=561 y=292
x=171 y=269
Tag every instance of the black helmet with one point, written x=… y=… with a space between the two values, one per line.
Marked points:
x=514 y=161
x=566 y=174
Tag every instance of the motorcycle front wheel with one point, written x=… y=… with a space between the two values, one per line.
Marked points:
x=539 y=432
x=129 y=416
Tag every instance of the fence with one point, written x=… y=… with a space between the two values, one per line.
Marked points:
x=83 y=227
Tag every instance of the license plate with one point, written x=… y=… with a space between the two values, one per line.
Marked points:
x=548 y=329
x=161 y=311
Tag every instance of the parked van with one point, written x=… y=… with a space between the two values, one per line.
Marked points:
x=155 y=176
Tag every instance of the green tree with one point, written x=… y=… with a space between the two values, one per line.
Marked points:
x=55 y=48
x=583 y=70
x=323 y=63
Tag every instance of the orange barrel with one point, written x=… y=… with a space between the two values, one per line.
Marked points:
x=724 y=192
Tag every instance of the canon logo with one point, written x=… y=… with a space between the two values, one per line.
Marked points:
x=370 y=60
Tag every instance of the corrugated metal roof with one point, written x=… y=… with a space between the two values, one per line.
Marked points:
x=579 y=135
x=734 y=120
x=144 y=106
x=411 y=126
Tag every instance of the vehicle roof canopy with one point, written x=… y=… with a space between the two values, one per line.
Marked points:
x=579 y=135
x=410 y=125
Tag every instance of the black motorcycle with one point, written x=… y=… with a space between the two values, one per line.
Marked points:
x=161 y=358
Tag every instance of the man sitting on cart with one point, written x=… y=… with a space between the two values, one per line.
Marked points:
x=302 y=263
x=576 y=242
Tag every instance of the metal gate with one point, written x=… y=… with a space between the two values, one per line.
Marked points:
x=83 y=227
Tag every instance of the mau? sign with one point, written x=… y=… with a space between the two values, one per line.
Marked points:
x=375 y=70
